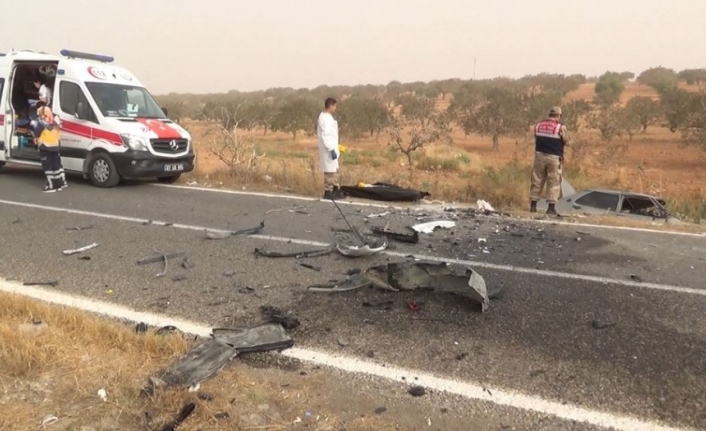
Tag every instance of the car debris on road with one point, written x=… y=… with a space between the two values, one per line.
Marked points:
x=429 y=227
x=81 y=250
x=211 y=355
x=219 y=234
x=405 y=276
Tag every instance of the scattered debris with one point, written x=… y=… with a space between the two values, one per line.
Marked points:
x=166 y=266
x=312 y=267
x=380 y=410
x=33 y=328
x=210 y=356
x=206 y=396
x=141 y=328
x=229 y=273
x=353 y=229
x=52 y=283
x=484 y=206
x=342 y=342
x=635 y=278
x=80 y=228
x=417 y=391
x=294 y=209
x=81 y=250
x=355 y=281
x=439 y=277
x=49 y=420
x=383 y=214
x=296 y=254
x=368 y=249
x=169 y=329
x=536 y=373
x=429 y=227
x=180 y=277
x=413 y=306
x=84 y=258
x=222 y=234
x=211 y=234
x=412 y=238
x=186 y=263
x=185 y=412
x=160 y=258
x=16 y=221
x=601 y=325
x=103 y=395
x=275 y=315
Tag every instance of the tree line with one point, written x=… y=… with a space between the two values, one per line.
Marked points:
x=493 y=108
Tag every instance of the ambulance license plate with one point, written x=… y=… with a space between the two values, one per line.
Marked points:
x=174 y=168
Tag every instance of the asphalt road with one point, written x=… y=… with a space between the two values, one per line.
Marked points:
x=617 y=345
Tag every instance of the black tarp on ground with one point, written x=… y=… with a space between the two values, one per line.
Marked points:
x=384 y=192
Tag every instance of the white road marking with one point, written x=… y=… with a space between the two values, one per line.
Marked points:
x=519 y=269
x=464 y=389
x=397 y=207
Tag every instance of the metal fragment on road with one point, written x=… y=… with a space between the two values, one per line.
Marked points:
x=52 y=283
x=219 y=234
x=366 y=250
x=412 y=238
x=160 y=258
x=81 y=250
x=296 y=254
x=79 y=228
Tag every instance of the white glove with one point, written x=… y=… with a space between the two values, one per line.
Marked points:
x=33 y=123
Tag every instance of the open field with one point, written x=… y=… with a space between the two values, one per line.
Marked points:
x=654 y=162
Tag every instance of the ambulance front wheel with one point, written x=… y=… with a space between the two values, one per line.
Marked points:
x=102 y=171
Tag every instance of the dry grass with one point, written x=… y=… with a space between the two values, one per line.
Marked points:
x=59 y=371
x=467 y=170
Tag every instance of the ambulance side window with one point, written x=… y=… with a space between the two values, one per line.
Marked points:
x=71 y=95
x=2 y=85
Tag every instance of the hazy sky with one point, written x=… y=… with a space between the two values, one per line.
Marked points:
x=219 y=45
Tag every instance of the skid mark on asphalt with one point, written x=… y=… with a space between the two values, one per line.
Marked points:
x=468 y=390
x=369 y=205
x=522 y=270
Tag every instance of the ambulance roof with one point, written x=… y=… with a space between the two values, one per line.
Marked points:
x=86 y=68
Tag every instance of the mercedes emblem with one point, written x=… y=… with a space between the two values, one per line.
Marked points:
x=173 y=145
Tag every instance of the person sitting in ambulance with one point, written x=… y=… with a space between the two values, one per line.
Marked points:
x=44 y=91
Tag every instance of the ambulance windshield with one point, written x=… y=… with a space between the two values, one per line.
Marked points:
x=124 y=101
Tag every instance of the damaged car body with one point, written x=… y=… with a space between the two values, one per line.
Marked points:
x=616 y=203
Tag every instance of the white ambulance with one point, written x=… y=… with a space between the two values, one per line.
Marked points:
x=111 y=126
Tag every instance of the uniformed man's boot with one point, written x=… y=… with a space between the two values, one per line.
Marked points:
x=329 y=195
x=551 y=210
x=533 y=206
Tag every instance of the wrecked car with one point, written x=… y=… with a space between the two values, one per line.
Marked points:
x=615 y=203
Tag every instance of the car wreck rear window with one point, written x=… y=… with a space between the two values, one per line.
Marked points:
x=600 y=200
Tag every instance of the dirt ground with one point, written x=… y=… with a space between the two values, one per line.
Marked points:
x=655 y=162
x=52 y=373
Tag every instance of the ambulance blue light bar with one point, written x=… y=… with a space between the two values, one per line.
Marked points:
x=86 y=56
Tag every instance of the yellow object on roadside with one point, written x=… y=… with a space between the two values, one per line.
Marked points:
x=342 y=148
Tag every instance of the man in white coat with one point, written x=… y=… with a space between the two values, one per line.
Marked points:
x=327 y=132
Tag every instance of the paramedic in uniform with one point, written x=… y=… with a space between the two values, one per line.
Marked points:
x=551 y=137
x=329 y=152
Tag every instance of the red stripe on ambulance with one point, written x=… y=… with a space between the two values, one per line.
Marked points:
x=90 y=132
x=159 y=128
